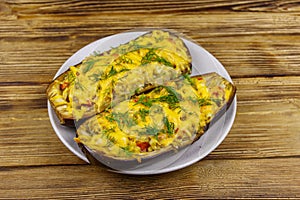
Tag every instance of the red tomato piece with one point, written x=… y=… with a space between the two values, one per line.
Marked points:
x=64 y=85
x=143 y=145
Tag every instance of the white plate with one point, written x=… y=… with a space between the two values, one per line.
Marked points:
x=202 y=62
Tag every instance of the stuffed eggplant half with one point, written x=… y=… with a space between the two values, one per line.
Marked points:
x=160 y=121
x=86 y=89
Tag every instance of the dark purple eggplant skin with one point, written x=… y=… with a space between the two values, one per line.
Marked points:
x=124 y=164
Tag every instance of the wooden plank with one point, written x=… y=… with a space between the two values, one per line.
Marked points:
x=257 y=41
x=254 y=178
x=261 y=44
x=266 y=120
x=266 y=124
x=27 y=137
x=38 y=61
x=263 y=129
x=203 y=24
x=28 y=7
x=267 y=55
x=34 y=62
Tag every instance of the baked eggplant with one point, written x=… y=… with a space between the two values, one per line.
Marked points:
x=59 y=93
x=87 y=87
x=146 y=126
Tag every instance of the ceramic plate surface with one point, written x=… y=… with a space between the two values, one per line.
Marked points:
x=202 y=62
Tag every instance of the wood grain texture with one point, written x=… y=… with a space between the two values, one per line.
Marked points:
x=206 y=179
x=72 y=7
x=247 y=57
x=258 y=42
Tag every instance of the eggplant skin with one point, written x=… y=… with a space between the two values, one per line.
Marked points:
x=214 y=94
x=60 y=91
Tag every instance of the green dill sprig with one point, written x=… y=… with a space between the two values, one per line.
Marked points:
x=112 y=72
x=122 y=119
x=151 y=56
x=216 y=101
x=127 y=150
x=124 y=60
x=143 y=113
x=150 y=130
x=95 y=76
x=79 y=85
x=204 y=102
x=88 y=65
x=71 y=77
x=110 y=138
x=169 y=125
x=144 y=100
x=190 y=80
x=172 y=98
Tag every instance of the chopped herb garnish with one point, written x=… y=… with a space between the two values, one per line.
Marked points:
x=112 y=72
x=135 y=45
x=78 y=85
x=189 y=79
x=151 y=56
x=144 y=100
x=95 y=76
x=71 y=77
x=172 y=98
x=137 y=91
x=106 y=133
x=216 y=101
x=96 y=53
x=111 y=139
x=194 y=100
x=88 y=65
x=172 y=92
x=123 y=70
x=150 y=130
x=143 y=113
x=122 y=119
x=169 y=125
x=127 y=150
x=124 y=60
x=204 y=101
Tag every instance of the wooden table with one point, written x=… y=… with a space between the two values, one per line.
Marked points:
x=258 y=42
